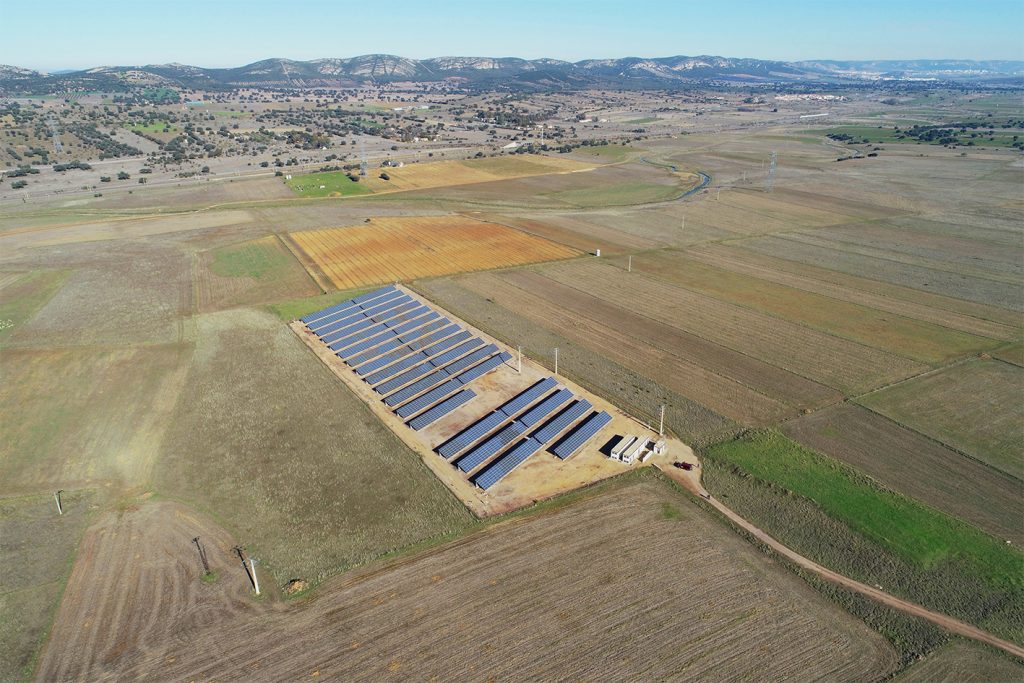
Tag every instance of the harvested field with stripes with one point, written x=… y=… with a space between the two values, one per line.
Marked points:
x=626 y=584
x=974 y=407
x=393 y=249
x=916 y=466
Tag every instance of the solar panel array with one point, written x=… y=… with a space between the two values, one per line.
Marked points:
x=575 y=439
x=422 y=363
x=506 y=463
x=418 y=360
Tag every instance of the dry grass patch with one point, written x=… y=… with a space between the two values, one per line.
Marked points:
x=392 y=249
x=839 y=363
x=252 y=272
x=269 y=443
x=913 y=339
x=975 y=407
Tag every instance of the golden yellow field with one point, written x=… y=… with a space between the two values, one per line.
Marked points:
x=391 y=249
x=442 y=173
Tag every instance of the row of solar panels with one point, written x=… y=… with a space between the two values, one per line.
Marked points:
x=421 y=363
x=418 y=360
x=532 y=407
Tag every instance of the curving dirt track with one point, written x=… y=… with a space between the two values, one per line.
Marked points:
x=948 y=623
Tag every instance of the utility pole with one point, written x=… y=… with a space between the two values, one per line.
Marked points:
x=556 y=360
x=629 y=264
x=661 y=421
x=56 y=497
x=769 y=181
x=519 y=363
x=202 y=556
x=255 y=579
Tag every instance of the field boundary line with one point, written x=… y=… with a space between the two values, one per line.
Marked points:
x=284 y=243
x=307 y=263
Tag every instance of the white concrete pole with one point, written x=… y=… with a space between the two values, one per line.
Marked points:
x=519 y=363
x=556 y=360
x=56 y=497
x=255 y=579
x=661 y=421
x=629 y=264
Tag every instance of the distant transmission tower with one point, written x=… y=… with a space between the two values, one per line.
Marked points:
x=58 y=147
x=769 y=181
x=362 y=158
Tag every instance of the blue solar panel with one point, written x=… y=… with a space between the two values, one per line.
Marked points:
x=509 y=461
x=350 y=338
x=403 y=379
x=441 y=409
x=418 y=341
x=397 y=316
x=412 y=324
x=525 y=398
x=545 y=407
x=330 y=310
x=363 y=298
x=386 y=359
x=428 y=399
x=436 y=325
x=383 y=299
x=327 y=326
x=410 y=334
x=354 y=304
x=483 y=368
x=459 y=350
x=565 y=418
x=446 y=344
x=502 y=438
x=347 y=330
x=575 y=439
x=391 y=309
x=470 y=434
x=395 y=368
x=358 y=354
x=464 y=362
x=416 y=387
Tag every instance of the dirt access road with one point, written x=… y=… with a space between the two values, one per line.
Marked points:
x=691 y=482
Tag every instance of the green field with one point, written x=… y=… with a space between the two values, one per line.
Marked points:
x=883 y=134
x=251 y=259
x=906 y=528
x=332 y=184
x=623 y=194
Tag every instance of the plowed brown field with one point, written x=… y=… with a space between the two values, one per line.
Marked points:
x=392 y=249
x=635 y=583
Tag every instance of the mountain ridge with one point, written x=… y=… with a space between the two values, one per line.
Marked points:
x=511 y=71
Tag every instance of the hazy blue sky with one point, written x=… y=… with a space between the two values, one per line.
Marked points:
x=81 y=33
